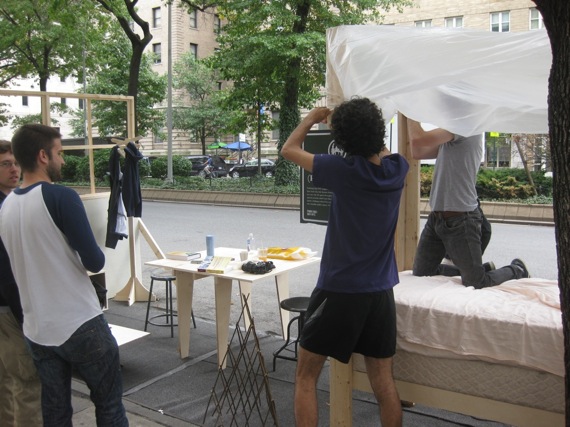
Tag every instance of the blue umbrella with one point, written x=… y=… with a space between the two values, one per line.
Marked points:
x=238 y=146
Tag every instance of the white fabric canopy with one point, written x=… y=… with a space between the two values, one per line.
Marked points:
x=465 y=81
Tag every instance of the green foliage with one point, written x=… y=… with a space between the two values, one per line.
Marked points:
x=42 y=38
x=181 y=166
x=110 y=117
x=82 y=169
x=426 y=173
x=55 y=107
x=144 y=169
x=201 y=110
x=499 y=184
x=274 y=52
x=69 y=168
x=76 y=168
x=3 y=115
x=250 y=184
x=159 y=167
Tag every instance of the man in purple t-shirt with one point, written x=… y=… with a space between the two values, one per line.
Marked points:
x=352 y=308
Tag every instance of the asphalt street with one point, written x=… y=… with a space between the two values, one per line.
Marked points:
x=176 y=226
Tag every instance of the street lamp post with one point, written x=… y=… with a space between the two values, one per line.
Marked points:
x=169 y=170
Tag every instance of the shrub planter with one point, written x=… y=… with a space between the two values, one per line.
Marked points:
x=495 y=211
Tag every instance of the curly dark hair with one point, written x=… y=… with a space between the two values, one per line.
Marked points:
x=358 y=127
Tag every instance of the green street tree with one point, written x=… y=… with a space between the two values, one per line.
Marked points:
x=274 y=52
x=112 y=78
x=42 y=38
x=125 y=11
x=200 y=111
x=556 y=17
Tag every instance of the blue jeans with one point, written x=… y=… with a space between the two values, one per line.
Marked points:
x=460 y=238
x=93 y=353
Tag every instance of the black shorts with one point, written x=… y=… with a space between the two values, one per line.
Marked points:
x=339 y=324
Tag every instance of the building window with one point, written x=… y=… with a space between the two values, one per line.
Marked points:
x=63 y=101
x=219 y=85
x=454 y=22
x=156 y=17
x=194 y=50
x=81 y=104
x=156 y=50
x=62 y=79
x=424 y=24
x=25 y=100
x=500 y=22
x=193 y=18
x=535 y=19
x=157 y=139
x=217 y=24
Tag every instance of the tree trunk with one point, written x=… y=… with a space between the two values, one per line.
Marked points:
x=289 y=115
x=556 y=16
x=134 y=72
x=138 y=44
x=517 y=139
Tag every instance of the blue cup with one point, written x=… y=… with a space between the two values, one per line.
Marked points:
x=209 y=245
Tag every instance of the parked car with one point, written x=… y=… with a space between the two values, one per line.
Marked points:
x=219 y=167
x=250 y=168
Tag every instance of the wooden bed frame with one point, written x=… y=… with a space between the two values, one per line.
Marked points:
x=344 y=378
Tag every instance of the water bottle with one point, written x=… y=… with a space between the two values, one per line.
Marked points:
x=209 y=245
x=250 y=243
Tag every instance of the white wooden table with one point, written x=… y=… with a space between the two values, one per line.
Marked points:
x=186 y=273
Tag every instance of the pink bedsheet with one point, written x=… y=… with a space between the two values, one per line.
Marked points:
x=518 y=322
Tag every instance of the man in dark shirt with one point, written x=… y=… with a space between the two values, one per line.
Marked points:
x=20 y=389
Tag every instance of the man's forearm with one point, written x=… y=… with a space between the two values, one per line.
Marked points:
x=297 y=137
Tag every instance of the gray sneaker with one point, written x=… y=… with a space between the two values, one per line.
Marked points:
x=521 y=265
x=489 y=266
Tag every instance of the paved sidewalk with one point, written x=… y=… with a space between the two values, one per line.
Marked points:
x=138 y=415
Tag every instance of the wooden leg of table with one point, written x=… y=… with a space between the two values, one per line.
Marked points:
x=282 y=286
x=245 y=291
x=184 y=291
x=223 y=292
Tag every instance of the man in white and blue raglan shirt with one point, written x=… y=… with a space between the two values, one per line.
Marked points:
x=48 y=238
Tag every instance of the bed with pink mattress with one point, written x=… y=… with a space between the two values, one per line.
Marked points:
x=495 y=353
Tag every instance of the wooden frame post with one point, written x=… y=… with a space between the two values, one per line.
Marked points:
x=408 y=229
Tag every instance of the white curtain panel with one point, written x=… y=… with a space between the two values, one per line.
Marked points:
x=465 y=81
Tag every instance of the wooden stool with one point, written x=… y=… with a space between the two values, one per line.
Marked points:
x=296 y=305
x=167 y=278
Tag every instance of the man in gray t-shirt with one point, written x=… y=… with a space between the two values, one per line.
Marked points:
x=454 y=224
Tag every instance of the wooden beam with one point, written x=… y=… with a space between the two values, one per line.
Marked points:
x=408 y=229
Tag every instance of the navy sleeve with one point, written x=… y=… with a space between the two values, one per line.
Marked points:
x=68 y=213
x=9 y=294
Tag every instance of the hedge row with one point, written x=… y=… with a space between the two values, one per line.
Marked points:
x=498 y=184
x=76 y=168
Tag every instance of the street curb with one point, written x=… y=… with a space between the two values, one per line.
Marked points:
x=509 y=213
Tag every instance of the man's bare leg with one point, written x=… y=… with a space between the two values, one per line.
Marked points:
x=309 y=368
x=382 y=381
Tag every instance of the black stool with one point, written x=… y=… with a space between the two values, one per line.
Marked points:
x=167 y=278
x=296 y=305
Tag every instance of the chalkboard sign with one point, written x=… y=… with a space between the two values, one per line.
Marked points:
x=315 y=202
